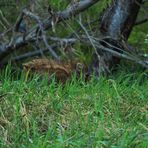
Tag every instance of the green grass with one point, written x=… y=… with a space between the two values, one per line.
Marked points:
x=108 y=112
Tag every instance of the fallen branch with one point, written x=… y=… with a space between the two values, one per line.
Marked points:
x=96 y=43
x=31 y=36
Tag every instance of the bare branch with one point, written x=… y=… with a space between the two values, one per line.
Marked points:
x=67 y=41
x=31 y=36
x=141 y=21
x=43 y=34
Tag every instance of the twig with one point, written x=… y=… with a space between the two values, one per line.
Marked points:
x=141 y=21
x=118 y=54
x=4 y=19
x=90 y=39
x=39 y=52
x=43 y=34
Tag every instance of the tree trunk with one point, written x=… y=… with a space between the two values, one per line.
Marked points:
x=116 y=23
